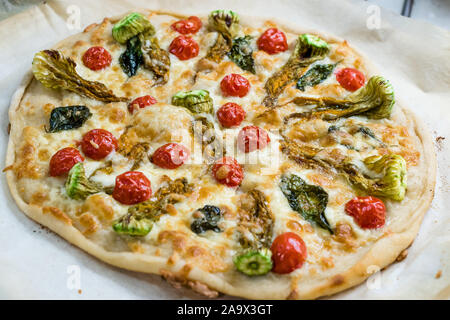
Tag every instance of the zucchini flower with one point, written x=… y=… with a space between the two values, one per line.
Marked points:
x=391 y=184
x=225 y=22
x=254 y=262
x=196 y=101
x=130 y=26
x=133 y=225
x=375 y=100
x=78 y=187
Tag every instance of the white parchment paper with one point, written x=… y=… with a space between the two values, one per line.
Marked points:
x=413 y=55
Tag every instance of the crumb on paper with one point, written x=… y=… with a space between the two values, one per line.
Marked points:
x=439 y=142
x=438 y=274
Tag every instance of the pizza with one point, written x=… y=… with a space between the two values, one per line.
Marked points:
x=227 y=153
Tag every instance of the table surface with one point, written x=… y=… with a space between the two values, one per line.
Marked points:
x=436 y=12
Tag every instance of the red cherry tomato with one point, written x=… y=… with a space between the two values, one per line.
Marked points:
x=96 y=58
x=228 y=171
x=234 y=85
x=63 y=160
x=350 y=79
x=230 y=114
x=170 y=156
x=272 y=41
x=141 y=102
x=368 y=212
x=251 y=138
x=132 y=187
x=288 y=253
x=184 y=47
x=189 y=25
x=98 y=143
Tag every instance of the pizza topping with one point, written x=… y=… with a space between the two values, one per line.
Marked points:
x=140 y=218
x=184 y=48
x=206 y=218
x=226 y=23
x=96 y=58
x=393 y=180
x=132 y=187
x=272 y=41
x=196 y=101
x=288 y=253
x=230 y=114
x=137 y=153
x=228 y=171
x=141 y=102
x=78 y=186
x=132 y=58
x=350 y=79
x=189 y=25
x=368 y=212
x=63 y=160
x=241 y=53
x=98 y=143
x=252 y=138
x=170 y=156
x=315 y=75
x=156 y=59
x=234 y=85
x=254 y=262
x=308 y=49
x=308 y=200
x=55 y=71
x=130 y=26
x=375 y=100
x=67 y=118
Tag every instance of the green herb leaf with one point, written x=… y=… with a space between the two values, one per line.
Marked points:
x=66 y=118
x=55 y=71
x=132 y=58
x=242 y=53
x=308 y=200
x=315 y=75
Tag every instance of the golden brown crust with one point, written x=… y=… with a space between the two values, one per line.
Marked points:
x=381 y=253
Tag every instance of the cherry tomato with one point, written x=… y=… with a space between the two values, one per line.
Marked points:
x=230 y=114
x=288 y=253
x=251 y=138
x=170 y=156
x=141 y=102
x=98 y=143
x=184 y=47
x=189 y=25
x=63 y=160
x=272 y=41
x=368 y=212
x=234 y=85
x=228 y=171
x=132 y=187
x=350 y=79
x=96 y=58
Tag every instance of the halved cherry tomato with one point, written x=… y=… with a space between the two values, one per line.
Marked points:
x=368 y=212
x=350 y=79
x=96 y=58
x=63 y=160
x=170 y=156
x=251 y=138
x=141 y=102
x=272 y=41
x=132 y=187
x=230 y=114
x=184 y=47
x=98 y=143
x=228 y=171
x=288 y=253
x=234 y=85
x=189 y=25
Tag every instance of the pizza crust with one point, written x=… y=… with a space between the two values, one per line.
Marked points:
x=380 y=254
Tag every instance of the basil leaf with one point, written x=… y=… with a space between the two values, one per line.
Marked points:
x=308 y=200
x=315 y=75
x=241 y=53
x=132 y=58
x=66 y=118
